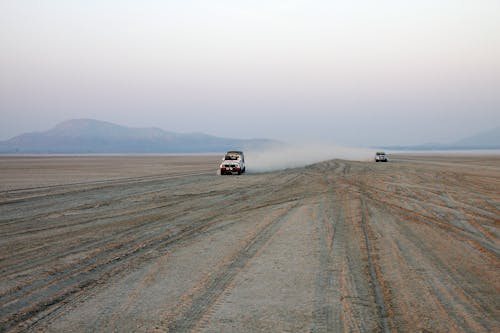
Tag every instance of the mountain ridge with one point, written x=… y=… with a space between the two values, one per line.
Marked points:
x=77 y=136
x=489 y=139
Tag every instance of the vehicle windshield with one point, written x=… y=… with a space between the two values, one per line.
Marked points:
x=231 y=157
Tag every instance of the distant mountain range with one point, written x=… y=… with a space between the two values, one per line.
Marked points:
x=88 y=136
x=484 y=140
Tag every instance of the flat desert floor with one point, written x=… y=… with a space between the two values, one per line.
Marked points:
x=162 y=244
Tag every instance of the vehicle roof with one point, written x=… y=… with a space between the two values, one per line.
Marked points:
x=234 y=152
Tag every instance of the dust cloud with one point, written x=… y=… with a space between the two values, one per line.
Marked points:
x=294 y=156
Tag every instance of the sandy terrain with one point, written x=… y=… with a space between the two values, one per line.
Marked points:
x=162 y=244
x=18 y=172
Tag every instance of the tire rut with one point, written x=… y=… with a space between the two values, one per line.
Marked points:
x=327 y=306
x=377 y=289
x=202 y=301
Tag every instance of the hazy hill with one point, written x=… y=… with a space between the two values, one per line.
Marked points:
x=93 y=136
x=483 y=140
x=487 y=139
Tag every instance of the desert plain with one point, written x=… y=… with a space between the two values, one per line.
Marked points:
x=163 y=244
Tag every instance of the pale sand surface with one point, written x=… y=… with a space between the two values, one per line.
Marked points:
x=162 y=244
x=46 y=170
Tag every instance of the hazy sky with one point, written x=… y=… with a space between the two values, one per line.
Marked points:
x=354 y=72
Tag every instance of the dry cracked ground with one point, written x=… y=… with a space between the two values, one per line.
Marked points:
x=162 y=244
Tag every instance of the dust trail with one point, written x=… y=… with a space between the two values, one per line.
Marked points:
x=299 y=155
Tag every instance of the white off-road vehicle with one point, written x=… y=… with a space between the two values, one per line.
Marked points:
x=232 y=162
x=380 y=156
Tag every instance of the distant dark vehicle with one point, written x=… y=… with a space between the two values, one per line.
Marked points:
x=380 y=156
x=233 y=162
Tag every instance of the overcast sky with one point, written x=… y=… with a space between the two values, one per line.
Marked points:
x=353 y=72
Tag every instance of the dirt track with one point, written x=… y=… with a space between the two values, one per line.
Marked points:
x=410 y=245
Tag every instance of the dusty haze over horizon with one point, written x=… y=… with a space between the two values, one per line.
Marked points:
x=355 y=73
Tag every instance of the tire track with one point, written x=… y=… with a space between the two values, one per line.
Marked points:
x=198 y=304
x=21 y=195
x=83 y=279
x=449 y=290
x=379 y=295
x=124 y=224
x=117 y=252
x=327 y=306
x=393 y=247
x=425 y=215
